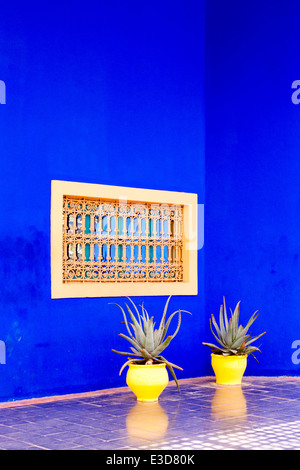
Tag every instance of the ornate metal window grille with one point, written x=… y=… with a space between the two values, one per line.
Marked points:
x=116 y=241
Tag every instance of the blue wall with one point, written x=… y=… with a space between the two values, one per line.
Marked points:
x=111 y=93
x=252 y=250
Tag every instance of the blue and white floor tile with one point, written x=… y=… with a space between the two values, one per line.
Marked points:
x=262 y=414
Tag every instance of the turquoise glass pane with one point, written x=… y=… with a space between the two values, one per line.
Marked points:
x=150 y=227
x=120 y=253
x=87 y=224
x=150 y=254
x=87 y=251
x=120 y=225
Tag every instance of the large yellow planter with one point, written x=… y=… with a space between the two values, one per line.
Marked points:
x=229 y=370
x=147 y=381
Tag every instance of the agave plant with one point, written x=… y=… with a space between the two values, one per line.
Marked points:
x=147 y=342
x=232 y=337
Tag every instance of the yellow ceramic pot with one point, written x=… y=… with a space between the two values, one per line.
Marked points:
x=147 y=381
x=228 y=370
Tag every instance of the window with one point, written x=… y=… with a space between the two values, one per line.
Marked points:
x=115 y=241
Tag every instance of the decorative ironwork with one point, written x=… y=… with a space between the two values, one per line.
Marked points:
x=117 y=241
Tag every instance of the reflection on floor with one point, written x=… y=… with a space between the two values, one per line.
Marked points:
x=262 y=414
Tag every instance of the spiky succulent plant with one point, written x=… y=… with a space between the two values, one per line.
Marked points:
x=147 y=342
x=232 y=337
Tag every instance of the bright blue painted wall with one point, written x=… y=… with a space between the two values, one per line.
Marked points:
x=252 y=229
x=115 y=94
x=111 y=93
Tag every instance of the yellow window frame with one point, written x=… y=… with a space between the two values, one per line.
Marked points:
x=61 y=289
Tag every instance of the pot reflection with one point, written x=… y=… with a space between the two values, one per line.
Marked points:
x=147 y=420
x=229 y=402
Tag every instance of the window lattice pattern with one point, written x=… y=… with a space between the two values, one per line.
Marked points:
x=114 y=241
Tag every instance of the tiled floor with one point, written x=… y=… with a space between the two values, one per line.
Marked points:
x=262 y=414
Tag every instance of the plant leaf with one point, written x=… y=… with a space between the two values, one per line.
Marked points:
x=146 y=354
x=138 y=329
x=254 y=357
x=162 y=359
x=225 y=314
x=238 y=342
x=134 y=350
x=125 y=318
x=159 y=336
x=128 y=362
x=221 y=322
x=255 y=338
x=162 y=346
x=169 y=366
x=252 y=319
x=149 y=341
x=235 y=320
x=132 y=341
x=216 y=348
x=136 y=309
x=215 y=336
x=178 y=324
x=169 y=321
x=228 y=337
x=216 y=326
x=146 y=313
x=126 y=353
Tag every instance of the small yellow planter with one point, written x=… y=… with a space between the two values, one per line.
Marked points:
x=229 y=370
x=147 y=381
